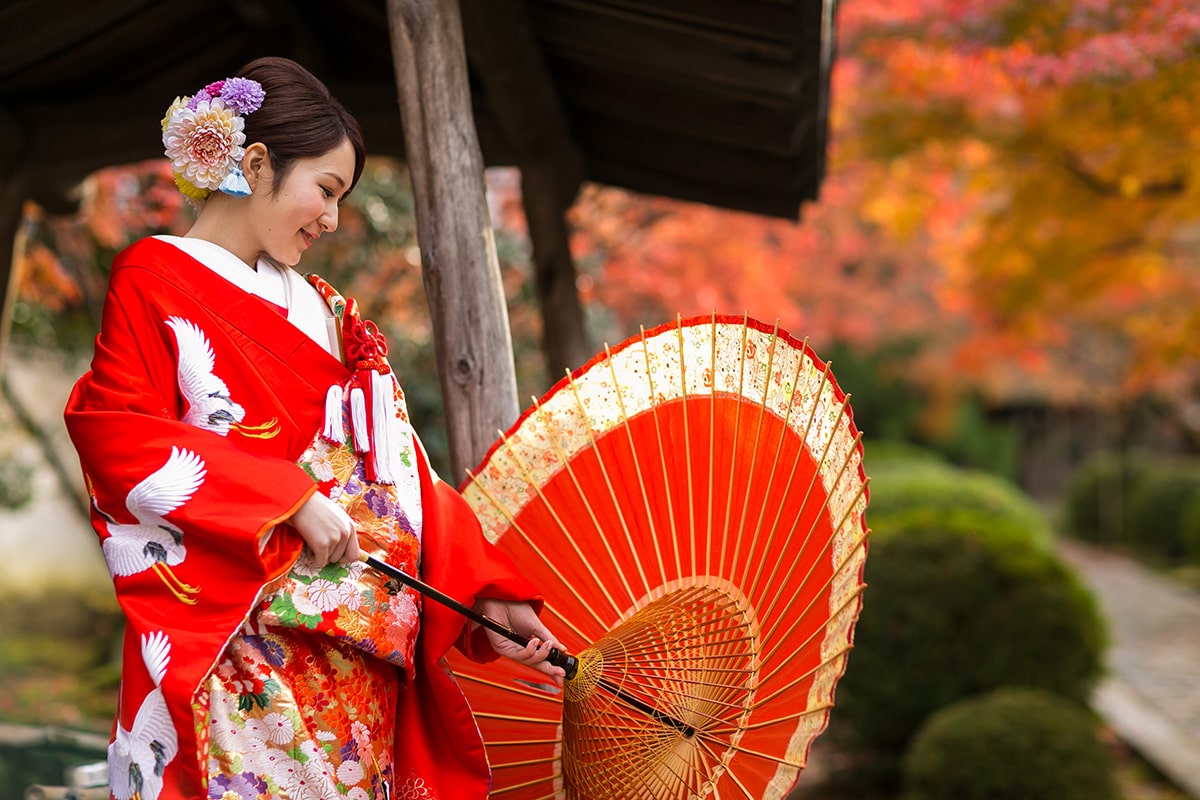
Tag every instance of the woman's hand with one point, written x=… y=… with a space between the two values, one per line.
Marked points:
x=326 y=529
x=522 y=619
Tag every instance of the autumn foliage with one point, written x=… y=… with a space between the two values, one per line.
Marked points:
x=1012 y=183
x=1012 y=190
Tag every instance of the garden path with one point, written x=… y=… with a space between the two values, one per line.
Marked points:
x=1151 y=696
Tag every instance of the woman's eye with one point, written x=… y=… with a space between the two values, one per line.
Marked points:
x=326 y=192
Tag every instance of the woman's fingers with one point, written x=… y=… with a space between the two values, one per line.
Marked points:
x=327 y=530
x=521 y=618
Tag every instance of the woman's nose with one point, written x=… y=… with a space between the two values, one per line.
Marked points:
x=329 y=220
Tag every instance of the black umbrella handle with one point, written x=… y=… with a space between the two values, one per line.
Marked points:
x=569 y=663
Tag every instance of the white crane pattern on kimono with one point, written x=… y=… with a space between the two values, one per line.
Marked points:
x=210 y=404
x=138 y=756
x=152 y=542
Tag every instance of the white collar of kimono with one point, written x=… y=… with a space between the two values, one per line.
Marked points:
x=306 y=309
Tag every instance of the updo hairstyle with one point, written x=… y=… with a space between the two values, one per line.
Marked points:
x=299 y=117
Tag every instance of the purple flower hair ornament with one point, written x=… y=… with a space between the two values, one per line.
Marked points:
x=203 y=135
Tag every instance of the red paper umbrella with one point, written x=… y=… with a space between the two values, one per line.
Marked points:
x=691 y=504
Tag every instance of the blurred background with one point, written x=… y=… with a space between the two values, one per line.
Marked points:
x=1001 y=259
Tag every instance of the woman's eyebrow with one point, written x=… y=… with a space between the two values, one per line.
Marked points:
x=340 y=180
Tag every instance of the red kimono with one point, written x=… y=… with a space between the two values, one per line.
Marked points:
x=200 y=403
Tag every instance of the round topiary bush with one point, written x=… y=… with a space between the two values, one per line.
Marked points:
x=927 y=489
x=1157 y=508
x=884 y=456
x=1012 y=744
x=951 y=612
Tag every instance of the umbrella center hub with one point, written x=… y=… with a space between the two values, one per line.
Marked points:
x=674 y=680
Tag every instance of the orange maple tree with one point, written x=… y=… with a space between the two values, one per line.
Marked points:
x=1010 y=182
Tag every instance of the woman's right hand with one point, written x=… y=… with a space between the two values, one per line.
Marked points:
x=327 y=530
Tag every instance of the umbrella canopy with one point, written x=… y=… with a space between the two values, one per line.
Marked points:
x=692 y=505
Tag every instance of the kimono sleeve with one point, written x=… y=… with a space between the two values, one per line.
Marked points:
x=125 y=420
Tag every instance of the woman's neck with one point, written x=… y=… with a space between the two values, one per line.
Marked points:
x=222 y=222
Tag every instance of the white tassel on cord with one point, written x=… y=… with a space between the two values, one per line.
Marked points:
x=334 y=431
x=358 y=416
x=383 y=426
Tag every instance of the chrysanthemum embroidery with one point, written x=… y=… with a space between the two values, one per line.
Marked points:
x=412 y=789
x=255 y=693
x=210 y=405
x=138 y=755
x=152 y=542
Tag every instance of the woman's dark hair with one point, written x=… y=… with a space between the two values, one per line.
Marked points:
x=299 y=118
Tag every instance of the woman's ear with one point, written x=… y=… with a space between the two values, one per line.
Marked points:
x=256 y=165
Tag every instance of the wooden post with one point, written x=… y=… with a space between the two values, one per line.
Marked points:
x=529 y=116
x=12 y=202
x=564 y=339
x=458 y=252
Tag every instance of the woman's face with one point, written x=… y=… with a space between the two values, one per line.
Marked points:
x=305 y=205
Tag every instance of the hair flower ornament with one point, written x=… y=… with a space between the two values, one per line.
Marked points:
x=203 y=136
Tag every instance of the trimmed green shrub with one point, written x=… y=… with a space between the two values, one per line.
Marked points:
x=949 y=613
x=882 y=456
x=1157 y=508
x=1012 y=744
x=1190 y=532
x=1096 y=503
x=981 y=443
x=926 y=489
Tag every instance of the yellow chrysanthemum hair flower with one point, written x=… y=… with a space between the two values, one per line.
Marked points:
x=203 y=135
x=180 y=102
x=189 y=191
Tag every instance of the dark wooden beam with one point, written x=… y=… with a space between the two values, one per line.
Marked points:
x=657 y=151
x=748 y=119
x=700 y=56
x=458 y=253
x=749 y=198
x=772 y=20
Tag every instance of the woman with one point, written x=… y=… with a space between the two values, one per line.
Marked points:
x=244 y=439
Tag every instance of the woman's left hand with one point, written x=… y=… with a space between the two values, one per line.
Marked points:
x=522 y=619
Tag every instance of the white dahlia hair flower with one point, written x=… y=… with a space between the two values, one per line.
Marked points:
x=204 y=144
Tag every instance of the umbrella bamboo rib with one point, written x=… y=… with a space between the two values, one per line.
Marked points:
x=812 y=412
x=687 y=444
x=832 y=657
x=769 y=635
x=637 y=469
x=762 y=412
x=532 y=762
x=527 y=474
x=733 y=778
x=819 y=708
x=712 y=439
x=666 y=478
x=768 y=607
x=774 y=470
x=837 y=572
x=814 y=479
x=616 y=504
x=510 y=687
x=521 y=532
x=495 y=792
x=850 y=600
x=733 y=450
x=515 y=718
